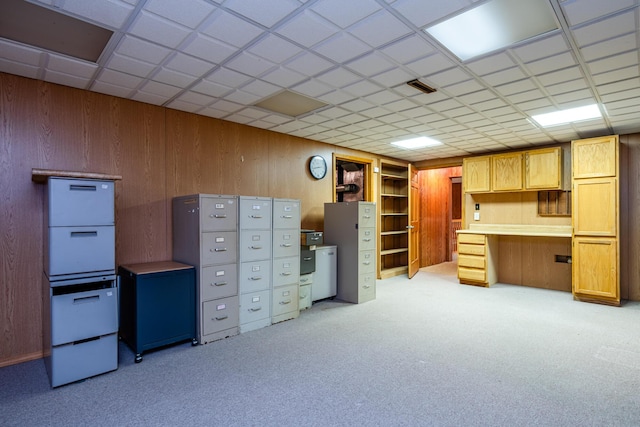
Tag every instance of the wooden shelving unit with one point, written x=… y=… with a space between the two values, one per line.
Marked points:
x=394 y=219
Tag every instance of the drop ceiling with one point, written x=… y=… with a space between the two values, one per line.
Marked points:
x=219 y=58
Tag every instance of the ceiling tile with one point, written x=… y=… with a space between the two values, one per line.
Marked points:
x=416 y=12
x=188 y=65
x=283 y=77
x=362 y=88
x=212 y=89
x=108 y=13
x=342 y=47
x=68 y=80
x=608 y=28
x=541 y=48
x=560 y=76
x=449 y=77
x=262 y=12
x=208 y=48
x=142 y=50
x=307 y=29
x=231 y=29
x=491 y=64
x=17 y=68
x=581 y=11
x=344 y=14
x=119 y=79
x=190 y=16
x=379 y=29
x=408 y=49
x=624 y=60
x=610 y=47
x=504 y=76
x=152 y=27
x=309 y=64
x=173 y=78
x=71 y=66
x=616 y=76
x=130 y=65
x=249 y=64
x=370 y=65
x=274 y=49
x=431 y=64
x=552 y=63
x=195 y=98
x=392 y=77
x=261 y=88
x=160 y=89
x=313 y=88
x=110 y=89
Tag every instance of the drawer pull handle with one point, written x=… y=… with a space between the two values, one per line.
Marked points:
x=220 y=283
x=255 y=216
x=217 y=216
x=332 y=253
x=366 y=286
x=84 y=233
x=285 y=302
x=286 y=216
x=305 y=280
x=218 y=250
x=307 y=258
x=314 y=238
x=366 y=240
x=255 y=247
x=220 y=318
x=255 y=309
x=286 y=245
x=76 y=187
x=255 y=278
x=367 y=262
x=84 y=300
x=286 y=273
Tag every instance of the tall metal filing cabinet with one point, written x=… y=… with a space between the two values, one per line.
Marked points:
x=157 y=305
x=352 y=227
x=325 y=278
x=205 y=236
x=255 y=262
x=286 y=259
x=80 y=306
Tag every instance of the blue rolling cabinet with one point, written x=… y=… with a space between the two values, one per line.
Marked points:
x=157 y=305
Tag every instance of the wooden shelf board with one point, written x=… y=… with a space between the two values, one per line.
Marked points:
x=394 y=195
x=394 y=214
x=386 y=175
x=40 y=175
x=390 y=233
x=394 y=271
x=393 y=251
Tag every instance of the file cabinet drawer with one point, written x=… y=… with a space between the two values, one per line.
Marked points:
x=219 y=213
x=286 y=242
x=255 y=276
x=286 y=214
x=367 y=239
x=219 y=315
x=255 y=306
x=255 y=245
x=73 y=250
x=80 y=202
x=286 y=271
x=255 y=213
x=367 y=261
x=285 y=300
x=219 y=247
x=219 y=281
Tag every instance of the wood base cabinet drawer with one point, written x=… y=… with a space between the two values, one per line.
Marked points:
x=474 y=239
x=471 y=261
x=465 y=248
x=473 y=274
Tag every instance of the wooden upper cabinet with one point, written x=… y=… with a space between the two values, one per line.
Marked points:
x=594 y=157
x=476 y=174
x=543 y=169
x=506 y=172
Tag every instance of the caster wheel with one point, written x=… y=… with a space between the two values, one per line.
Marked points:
x=194 y=342
x=138 y=358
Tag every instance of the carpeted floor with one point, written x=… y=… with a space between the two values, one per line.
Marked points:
x=426 y=352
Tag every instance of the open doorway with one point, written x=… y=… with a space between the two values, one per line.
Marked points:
x=353 y=180
x=455 y=222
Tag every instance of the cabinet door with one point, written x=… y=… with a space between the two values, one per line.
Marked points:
x=506 y=172
x=595 y=207
x=594 y=157
x=595 y=268
x=476 y=174
x=543 y=169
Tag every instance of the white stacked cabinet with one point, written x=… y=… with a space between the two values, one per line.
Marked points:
x=325 y=278
x=286 y=259
x=351 y=226
x=255 y=262
x=80 y=308
x=205 y=235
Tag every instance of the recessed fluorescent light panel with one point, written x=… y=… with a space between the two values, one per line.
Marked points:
x=420 y=142
x=568 y=116
x=493 y=25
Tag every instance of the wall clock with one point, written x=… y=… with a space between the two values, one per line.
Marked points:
x=317 y=167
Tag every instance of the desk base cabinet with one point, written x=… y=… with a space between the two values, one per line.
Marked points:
x=476 y=255
x=157 y=305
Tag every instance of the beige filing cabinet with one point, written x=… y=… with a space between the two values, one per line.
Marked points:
x=205 y=236
x=351 y=226
x=596 y=220
x=286 y=260
x=255 y=262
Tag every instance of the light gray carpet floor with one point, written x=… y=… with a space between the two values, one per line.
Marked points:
x=426 y=352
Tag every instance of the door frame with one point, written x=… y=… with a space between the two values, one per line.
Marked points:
x=368 y=175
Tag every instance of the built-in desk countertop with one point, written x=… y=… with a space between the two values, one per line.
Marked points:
x=518 y=230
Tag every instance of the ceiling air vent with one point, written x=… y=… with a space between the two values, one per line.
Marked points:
x=421 y=86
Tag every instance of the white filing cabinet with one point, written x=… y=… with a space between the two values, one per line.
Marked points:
x=80 y=322
x=205 y=235
x=286 y=260
x=304 y=292
x=325 y=278
x=255 y=262
x=351 y=226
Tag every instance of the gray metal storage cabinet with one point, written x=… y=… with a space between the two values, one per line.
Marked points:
x=205 y=235
x=80 y=321
x=157 y=305
x=351 y=226
x=255 y=262
x=286 y=260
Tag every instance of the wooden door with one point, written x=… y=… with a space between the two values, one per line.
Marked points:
x=595 y=207
x=595 y=269
x=543 y=169
x=476 y=174
x=506 y=172
x=414 y=223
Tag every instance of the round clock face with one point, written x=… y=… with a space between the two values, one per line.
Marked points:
x=317 y=167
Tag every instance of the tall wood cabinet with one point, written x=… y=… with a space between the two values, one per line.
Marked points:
x=394 y=219
x=596 y=220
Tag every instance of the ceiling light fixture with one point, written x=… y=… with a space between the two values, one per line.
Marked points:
x=493 y=25
x=420 y=142
x=290 y=103
x=571 y=115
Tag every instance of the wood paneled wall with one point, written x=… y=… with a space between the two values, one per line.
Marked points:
x=160 y=153
x=435 y=214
